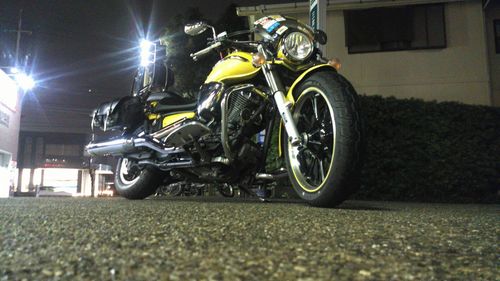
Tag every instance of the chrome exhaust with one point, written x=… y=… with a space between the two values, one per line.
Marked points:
x=174 y=137
x=123 y=146
x=264 y=176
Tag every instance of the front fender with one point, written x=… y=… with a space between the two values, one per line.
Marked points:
x=290 y=98
x=304 y=75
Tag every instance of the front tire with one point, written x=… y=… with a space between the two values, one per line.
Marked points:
x=326 y=170
x=133 y=182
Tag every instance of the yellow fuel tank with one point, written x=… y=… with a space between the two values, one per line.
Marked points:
x=234 y=68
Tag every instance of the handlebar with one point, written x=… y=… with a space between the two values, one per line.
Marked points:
x=205 y=51
x=225 y=42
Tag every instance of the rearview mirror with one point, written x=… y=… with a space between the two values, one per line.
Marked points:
x=320 y=36
x=195 y=28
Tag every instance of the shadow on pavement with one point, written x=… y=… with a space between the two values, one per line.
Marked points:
x=363 y=206
x=348 y=205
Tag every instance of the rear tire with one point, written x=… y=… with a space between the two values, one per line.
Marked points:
x=326 y=113
x=134 y=183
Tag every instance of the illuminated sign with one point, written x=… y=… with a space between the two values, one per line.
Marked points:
x=8 y=91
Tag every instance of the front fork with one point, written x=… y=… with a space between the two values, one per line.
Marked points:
x=278 y=93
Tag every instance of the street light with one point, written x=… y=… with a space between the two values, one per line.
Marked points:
x=24 y=81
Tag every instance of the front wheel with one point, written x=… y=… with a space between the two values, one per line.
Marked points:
x=135 y=182
x=325 y=170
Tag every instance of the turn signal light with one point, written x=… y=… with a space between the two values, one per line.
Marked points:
x=335 y=63
x=258 y=59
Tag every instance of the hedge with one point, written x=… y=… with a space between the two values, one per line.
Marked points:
x=429 y=151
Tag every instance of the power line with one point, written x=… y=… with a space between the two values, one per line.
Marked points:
x=19 y=32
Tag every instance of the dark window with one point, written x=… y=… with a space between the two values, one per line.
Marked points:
x=395 y=28
x=496 y=23
x=27 y=149
x=70 y=150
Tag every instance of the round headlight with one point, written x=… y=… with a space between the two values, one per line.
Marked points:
x=297 y=46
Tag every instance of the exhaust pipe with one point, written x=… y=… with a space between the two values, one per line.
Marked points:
x=175 y=136
x=281 y=173
x=120 y=147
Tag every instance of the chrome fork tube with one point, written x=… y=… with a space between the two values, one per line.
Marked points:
x=278 y=92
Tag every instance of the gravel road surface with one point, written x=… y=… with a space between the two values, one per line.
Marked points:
x=216 y=239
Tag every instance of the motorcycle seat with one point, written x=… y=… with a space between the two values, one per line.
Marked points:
x=170 y=102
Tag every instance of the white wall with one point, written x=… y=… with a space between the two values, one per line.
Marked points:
x=6 y=175
x=493 y=13
x=9 y=135
x=457 y=73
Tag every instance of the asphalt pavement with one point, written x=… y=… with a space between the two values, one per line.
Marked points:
x=216 y=239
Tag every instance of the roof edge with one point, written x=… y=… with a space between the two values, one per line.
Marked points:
x=332 y=5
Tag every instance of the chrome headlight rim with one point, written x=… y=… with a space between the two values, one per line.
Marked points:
x=291 y=54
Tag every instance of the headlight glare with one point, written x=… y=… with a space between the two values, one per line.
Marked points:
x=297 y=46
x=147 y=52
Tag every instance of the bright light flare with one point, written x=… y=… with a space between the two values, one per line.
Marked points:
x=24 y=81
x=147 y=52
x=146 y=45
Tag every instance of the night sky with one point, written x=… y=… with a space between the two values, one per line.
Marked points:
x=84 y=52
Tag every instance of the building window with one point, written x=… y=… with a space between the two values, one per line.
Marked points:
x=496 y=24
x=395 y=28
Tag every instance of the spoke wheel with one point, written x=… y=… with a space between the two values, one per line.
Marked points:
x=315 y=121
x=128 y=173
x=325 y=170
x=133 y=182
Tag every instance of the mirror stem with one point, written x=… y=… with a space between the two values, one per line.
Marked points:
x=213 y=32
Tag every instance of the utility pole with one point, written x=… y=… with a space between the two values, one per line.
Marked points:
x=19 y=32
x=317 y=18
x=18 y=41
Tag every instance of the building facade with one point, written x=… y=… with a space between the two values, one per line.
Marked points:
x=52 y=163
x=443 y=50
x=10 y=116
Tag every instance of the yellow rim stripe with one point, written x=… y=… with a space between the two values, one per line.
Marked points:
x=334 y=142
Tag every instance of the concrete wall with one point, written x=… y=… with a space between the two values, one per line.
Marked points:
x=9 y=133
x=10 y=117
x=457 y=73
x=9 y=136
x=493 y=13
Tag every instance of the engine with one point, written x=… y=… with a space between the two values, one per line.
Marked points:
x=239 y=113
x=245 y=114
x=245 y=118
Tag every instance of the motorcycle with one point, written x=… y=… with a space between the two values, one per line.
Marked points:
x=180 y=189
x=193 y=189
x=280 y=76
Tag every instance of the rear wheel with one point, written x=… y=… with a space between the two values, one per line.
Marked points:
x=134 y=182
x=326 y=169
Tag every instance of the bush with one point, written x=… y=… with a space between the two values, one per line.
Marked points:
x=428 y=151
